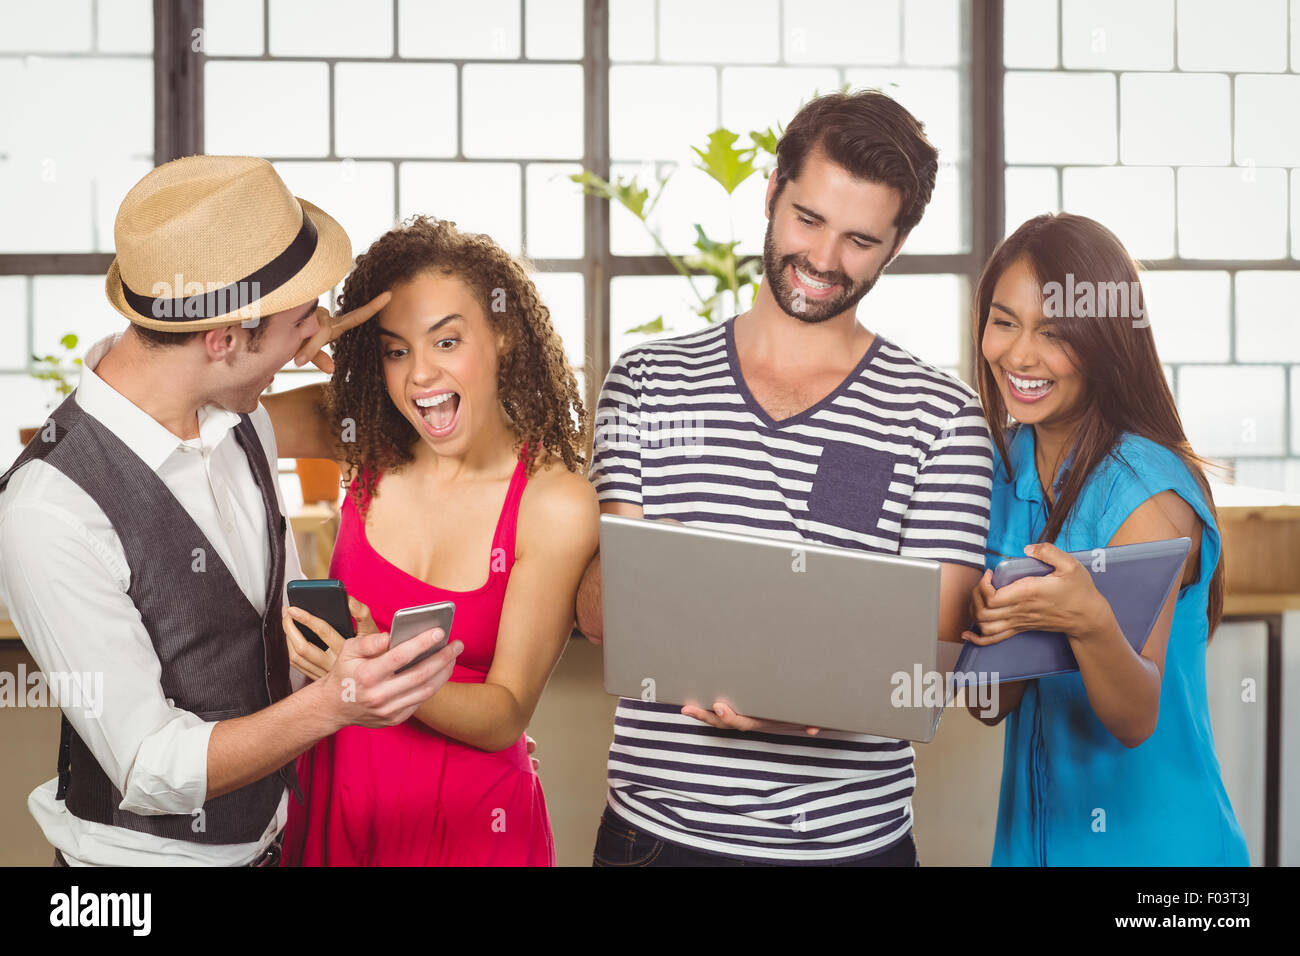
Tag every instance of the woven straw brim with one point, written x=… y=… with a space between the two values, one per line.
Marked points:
x=327 y=266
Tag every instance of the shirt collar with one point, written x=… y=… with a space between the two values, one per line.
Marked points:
x=137 y=429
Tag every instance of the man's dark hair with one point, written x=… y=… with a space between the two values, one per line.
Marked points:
x=159 y=339
x=872 y=137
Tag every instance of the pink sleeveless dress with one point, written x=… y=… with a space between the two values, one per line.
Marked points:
x=407 y=795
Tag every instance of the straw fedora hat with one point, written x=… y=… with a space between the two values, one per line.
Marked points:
x=207 y=241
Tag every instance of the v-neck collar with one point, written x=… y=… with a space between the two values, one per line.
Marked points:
x=733 y=361
x=1021 y=452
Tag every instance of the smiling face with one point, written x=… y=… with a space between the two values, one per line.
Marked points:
x=829 y=237
x=1039 y=382
x=440 y=358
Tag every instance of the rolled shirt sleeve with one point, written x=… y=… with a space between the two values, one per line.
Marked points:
x=67 y=597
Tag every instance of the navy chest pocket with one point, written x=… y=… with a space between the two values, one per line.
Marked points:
x=850 y=487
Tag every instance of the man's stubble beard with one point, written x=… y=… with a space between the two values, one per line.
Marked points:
x=774 y=273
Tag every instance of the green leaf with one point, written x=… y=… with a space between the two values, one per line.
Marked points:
x=728 y=165
x=624 y=191
x=653 y=327
x=718 y=259
x=765 y=141
x=69 y=341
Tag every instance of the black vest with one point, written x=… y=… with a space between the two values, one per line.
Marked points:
x=219 y=658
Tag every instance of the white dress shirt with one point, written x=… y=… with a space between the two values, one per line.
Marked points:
x=64 y=576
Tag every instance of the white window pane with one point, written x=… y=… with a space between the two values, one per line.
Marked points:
x=631 y=30
x=266 y=109
x=377 y=105
x=690 y=197
x=845 y=32
x=1268 y=316
x=52 y=26
x=941 y=229
x=925 y=314
x=478 y=197
x=1117 y=34
x=1232 y=213
x=553 y=29
x=1275 y=474
x=1189 y=314
x=111 y=183
x=636 y=300
x=1246 y=35
x=357 y=194
x=13 y=323
x=1295 y=213
x=77 y=304
x=1028 y=34
x=718 y=31
x=482 y=30
x=1175 y=118
x=758 y=97
x=233 y=28
x=24 y=403
x=125 y=26
x=1268 y=120
x=627 y=237
x=1295 y=52
x=554 y=211
x=533 y=111
x=564 y=293
x=1038 y=130
x=1295 y=412
x=932 y=96
x=639 y=126
x=1233 y=410
x=330 y=28
x=1030 y=192
x=932 y=32
x=1135 y=203
x=54 y=188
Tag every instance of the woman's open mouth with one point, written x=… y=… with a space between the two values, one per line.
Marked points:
x=1028 y=390
x=440 y=411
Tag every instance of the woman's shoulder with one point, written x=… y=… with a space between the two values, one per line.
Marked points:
x=1136 y=460
x=556 y=497
x=1138 y=469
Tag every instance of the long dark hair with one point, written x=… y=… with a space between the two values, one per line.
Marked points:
x=1124 y=387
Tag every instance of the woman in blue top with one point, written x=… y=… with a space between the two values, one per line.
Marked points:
x=1115 y=764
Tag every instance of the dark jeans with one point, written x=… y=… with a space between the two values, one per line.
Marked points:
x=618 y=843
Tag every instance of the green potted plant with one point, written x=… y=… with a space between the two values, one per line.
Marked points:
x=52 y=369
x=729 y=165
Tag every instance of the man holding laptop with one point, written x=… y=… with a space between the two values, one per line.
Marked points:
x=792 y=421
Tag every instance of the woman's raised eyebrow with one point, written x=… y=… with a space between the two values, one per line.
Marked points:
x=433 y=328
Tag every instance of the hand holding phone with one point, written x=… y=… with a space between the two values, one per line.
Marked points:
x=327 y=599
x=410 y=622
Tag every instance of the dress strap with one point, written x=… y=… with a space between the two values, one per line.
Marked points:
x=506 y=527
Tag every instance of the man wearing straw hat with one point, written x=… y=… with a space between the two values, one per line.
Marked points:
x=143 y=543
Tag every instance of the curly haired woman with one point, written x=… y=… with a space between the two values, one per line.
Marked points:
x=463 y=451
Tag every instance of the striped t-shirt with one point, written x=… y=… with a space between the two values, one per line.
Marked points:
x=896 y=459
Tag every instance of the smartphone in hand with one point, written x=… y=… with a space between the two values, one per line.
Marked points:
x=410 y=622
x=328 y=600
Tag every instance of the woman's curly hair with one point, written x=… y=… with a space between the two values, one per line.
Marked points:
x=537 y=388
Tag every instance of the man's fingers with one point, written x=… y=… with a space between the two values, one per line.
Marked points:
x=354 y=318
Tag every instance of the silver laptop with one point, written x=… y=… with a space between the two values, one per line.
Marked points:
x=778 y=629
